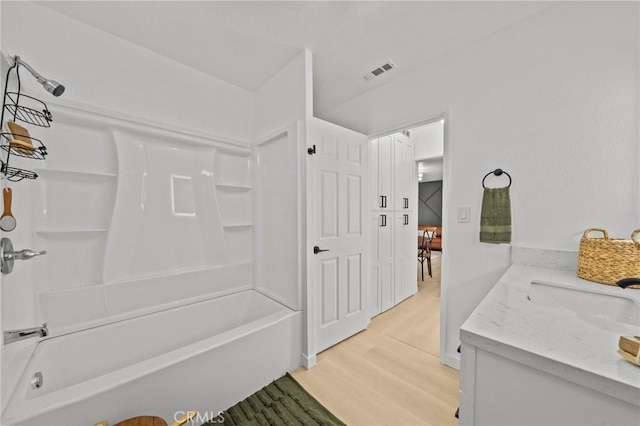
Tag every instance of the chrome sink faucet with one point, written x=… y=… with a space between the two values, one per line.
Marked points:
x=25 y=333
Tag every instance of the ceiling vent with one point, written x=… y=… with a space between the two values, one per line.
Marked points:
x=386 y=67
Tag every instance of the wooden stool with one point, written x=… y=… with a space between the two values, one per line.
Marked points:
x=143 y=421
x=150 y=421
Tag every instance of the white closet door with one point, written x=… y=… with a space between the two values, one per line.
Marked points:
x=398 y=256
x=409 y=176
x=394 y=225
x=410 y=192
x=403 y=165
x=410 y=255
x=385 y=259
x=374 y=277
x=374 y=175
x=385 y=173
x=405 y=260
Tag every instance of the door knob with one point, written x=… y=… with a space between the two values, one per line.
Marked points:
x=317 y=250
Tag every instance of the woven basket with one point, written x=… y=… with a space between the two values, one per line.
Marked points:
x=607 y=260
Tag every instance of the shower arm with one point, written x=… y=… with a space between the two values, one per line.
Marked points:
x=33 y=72
x=52 y=86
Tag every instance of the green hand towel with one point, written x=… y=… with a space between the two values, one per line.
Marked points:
x=495 y=218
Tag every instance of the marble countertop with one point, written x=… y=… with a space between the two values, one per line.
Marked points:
x=552 y=339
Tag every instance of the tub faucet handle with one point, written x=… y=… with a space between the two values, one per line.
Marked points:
x=8 y=255
x=26 y=254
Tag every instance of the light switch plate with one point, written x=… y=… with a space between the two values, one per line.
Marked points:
x=464 y=213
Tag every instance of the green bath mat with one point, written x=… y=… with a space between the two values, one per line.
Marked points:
x=283 y=402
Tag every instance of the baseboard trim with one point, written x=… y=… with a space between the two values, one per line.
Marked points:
x=309 y=361
x=452 y=361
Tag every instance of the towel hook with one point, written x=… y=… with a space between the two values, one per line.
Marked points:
x=497 y=172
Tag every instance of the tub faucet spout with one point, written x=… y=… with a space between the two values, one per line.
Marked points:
x=25 y=333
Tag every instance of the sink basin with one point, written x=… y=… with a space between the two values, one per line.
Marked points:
x=599 y=308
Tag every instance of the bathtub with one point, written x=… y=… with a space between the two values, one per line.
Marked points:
x=204 y=356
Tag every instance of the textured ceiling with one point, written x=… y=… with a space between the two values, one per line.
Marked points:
x=245 y=42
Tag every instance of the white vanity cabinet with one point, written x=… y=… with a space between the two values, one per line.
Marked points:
x=527 y=360
x=498 y=390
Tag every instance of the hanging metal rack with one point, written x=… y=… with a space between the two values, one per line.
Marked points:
x=26 y=109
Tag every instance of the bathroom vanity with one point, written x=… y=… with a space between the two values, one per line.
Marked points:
x=541 y=348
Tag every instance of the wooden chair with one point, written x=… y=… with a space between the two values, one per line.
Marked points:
x=425 y=236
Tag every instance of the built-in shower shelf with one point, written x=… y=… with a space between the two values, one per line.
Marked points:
x=233 y=188
x=70 y=230
x=62 y=173
x=238 y=225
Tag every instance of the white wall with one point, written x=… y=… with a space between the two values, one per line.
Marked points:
x=552 y=100
x=100 y=69
x=428 y=140
x=284 y=98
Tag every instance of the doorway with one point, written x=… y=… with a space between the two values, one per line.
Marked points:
x=428 y=141
x=430 y=189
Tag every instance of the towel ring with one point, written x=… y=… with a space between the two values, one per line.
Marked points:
x=497 y=172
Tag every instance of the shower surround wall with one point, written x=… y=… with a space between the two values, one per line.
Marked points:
x=127 y=207
x=172 y=97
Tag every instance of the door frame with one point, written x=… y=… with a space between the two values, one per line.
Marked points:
x=446 y=182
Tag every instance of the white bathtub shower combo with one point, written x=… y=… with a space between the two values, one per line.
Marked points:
x=149 y=288
x=211 y=352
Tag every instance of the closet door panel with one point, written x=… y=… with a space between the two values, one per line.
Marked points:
x=385 y=173
x=374 y=175
x=386 y=258
x=398 y=172
x=374 y=278
x=409 y=176
x=410 y=255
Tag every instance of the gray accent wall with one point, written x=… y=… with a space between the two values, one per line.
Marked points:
x=430 y=203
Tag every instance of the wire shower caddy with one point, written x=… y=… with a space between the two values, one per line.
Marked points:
x=26 y=109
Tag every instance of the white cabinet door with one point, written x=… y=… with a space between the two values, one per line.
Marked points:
x=337 y=223
x=385 y=173
x=374 y=175
x=398 y=173
x=403 y=172
x=398 y=256
x=385 y=259
x=410 y=193
x=374 y=278
x=409 y=177
x=405 y=256
x=410 y=247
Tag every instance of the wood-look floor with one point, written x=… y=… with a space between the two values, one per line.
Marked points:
x=390 y=374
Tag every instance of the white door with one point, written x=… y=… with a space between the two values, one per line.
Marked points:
x=385 y=173
x=385 y=260
x=410 y=196
x=337 y=223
